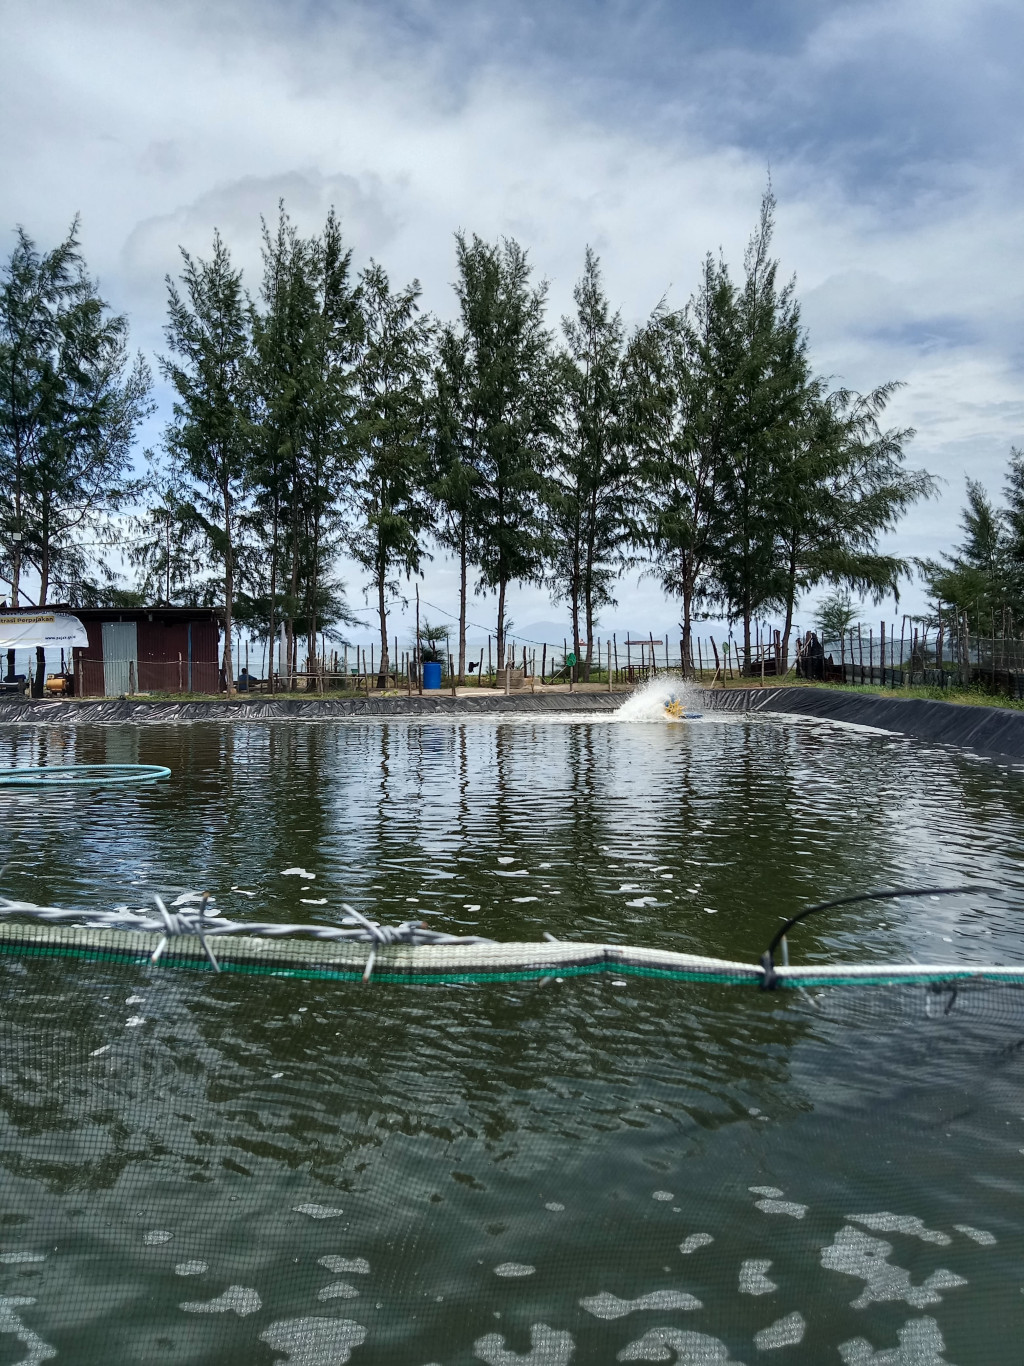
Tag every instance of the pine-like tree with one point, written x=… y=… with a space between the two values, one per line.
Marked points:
x=771 y=380
x=591 y=488
x=71 y=400
x=687 y=461
x=391 y=437
x=509 y=409
x=209 y=437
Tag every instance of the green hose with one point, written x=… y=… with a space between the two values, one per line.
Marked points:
x=82 y=775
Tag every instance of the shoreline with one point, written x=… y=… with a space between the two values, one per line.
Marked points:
x=44 y=711
x=989 y=731
x=994 y=732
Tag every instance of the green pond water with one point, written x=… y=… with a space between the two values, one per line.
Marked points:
x=200 y=1169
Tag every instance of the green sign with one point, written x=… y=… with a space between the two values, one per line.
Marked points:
x=570 y=659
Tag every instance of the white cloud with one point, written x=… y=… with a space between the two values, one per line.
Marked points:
x=161 y=122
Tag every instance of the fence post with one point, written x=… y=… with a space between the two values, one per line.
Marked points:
x=609 y=644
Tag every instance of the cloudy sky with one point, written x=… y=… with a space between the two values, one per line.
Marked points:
x=891 y=132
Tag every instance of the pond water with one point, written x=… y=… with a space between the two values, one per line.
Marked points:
x=228 y=1170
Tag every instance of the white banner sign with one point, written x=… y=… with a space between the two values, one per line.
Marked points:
x=25 y=630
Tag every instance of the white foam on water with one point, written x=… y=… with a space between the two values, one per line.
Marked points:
x=691 y=1349
x=16 y=1258
x=649 y=704
x=608 y=1306
x=855 y=1253
x=315 y=1341
x=337 y=1290
x=789 y=1207
x=237 y=1299
x=694 y=1243
x=318 y=1211
x=155 y=1236
x=196 y=1268
x=785 y=1332
x=514 y=1269
x=548 y=1347
x=979 y=1235
x=296 y=872
x=38 y=1350
x=313 y=901
x=921 y=1344
x=554 y=1206
x=134 y=1021
x=666 y=1196
x=772 y=1192
x=355 y=1266
x=886 y=1222
x=754 y=1278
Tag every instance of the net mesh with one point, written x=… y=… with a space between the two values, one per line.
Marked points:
x=282 y=1163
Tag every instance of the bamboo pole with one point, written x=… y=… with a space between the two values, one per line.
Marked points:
x=609 y=645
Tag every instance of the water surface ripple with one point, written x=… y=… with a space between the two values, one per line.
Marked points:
x=228 y=1170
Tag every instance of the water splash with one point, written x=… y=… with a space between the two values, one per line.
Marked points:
x=662 y=699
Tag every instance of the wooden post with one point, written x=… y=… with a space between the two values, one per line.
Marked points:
x=700 y=661
x=609 y=645
x=543 y=662
x=654 y=666
x=419 y=649
x=480 y=671
x=615 y=647
x=488 y=659
x=860 y=651
x=667 y=664
x=718 y=666
x=508 y=679
x=180 y=679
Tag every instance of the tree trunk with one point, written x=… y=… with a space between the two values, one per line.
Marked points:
x=501 y=626
x=575 y=645
x=687 y=628
x=229 y=596
x=273 y=598
x=382 y=612
x=463 y=556
x=790 y=608
x=38 y=682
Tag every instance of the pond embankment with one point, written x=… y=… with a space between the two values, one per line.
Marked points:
x=993 y=731
x=50 y=712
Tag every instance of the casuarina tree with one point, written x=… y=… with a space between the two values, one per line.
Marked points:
x=209 y=437
x=391 y=440
x=71 y=400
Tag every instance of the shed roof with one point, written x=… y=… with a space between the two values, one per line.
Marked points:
x=167 y=615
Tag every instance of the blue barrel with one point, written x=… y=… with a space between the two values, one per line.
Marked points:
x=431 y=676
